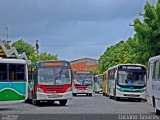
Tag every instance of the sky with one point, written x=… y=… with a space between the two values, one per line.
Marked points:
x=72 y=29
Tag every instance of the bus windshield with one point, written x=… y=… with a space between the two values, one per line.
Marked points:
x=131 y=78
x=83 y=79
x=54 y=76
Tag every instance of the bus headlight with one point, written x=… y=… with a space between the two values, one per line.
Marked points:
x=120 y=89
x=69 y=89
x=89 y=88
x=143 y=89
x=40 y=90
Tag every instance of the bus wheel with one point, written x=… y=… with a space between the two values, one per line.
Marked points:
x=116 y=98
x=139 y=99
x=103 y=94
x=90 y=94
x=35 y=102
x=157 y=111
x=63 y=102
x=110 y=97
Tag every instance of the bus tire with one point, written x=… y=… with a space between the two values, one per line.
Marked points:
x=107 y=95
x=103 y=94
x=117 y=98
x=35 y=102
x=63 y=102
x=74 y=94
x=110 y=97
x=157 y=111
x=90 y=94
x=139 y=99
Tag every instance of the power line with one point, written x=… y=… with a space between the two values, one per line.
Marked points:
x=100 y=44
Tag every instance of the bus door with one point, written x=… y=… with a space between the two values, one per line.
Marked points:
x=149 y=81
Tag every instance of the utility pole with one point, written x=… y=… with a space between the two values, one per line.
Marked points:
x=131 y=24
x=6 y=28
x=141 y=14
x=6 y=42
x=37 y=47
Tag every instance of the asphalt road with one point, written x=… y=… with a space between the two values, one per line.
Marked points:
x=81 y=105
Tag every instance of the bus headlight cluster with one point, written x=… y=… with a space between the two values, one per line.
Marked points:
x=40 y=90
x=69 y=89
x=143 y=89
x=88 y=88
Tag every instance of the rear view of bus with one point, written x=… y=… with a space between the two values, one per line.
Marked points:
x=52 y=81
x=83 y=83
x=13 y=80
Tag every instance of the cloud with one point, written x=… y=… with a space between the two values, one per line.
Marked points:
x=69 y=22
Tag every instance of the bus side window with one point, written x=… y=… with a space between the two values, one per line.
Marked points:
x=3 y=72
x=156 y=70
x=31 y=72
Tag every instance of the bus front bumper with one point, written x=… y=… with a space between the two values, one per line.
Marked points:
x=141 y=95
x=54 y=96
x=77 y=91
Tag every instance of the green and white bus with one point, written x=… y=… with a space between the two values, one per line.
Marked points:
x=13 y=80
x=50 y=81
x=127 y=81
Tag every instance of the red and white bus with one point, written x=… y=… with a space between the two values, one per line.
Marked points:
x=83 y=83
x=50 y=81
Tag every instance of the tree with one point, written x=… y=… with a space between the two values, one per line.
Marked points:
x=43 y=56
x=23 y=46
x=148 y=32
x=144 y=44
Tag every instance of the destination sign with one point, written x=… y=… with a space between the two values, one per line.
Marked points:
x=132 y=67
x=53 y=64
x=83 y=72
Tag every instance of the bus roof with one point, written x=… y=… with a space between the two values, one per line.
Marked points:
x=98 y=75
x=116 y=66
x=17 y=61
x=53 y=61
x=154 y=58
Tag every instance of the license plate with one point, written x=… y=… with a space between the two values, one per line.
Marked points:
x=55 y=94
x=83 y=91
x=131 y=95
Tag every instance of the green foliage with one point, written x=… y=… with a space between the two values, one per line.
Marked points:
x=144 y=44
x=23 y=46
x=43 y=56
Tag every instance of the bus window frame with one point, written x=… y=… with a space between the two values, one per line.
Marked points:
x=154 y=71
x=66 y=67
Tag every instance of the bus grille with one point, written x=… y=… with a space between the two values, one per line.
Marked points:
x=52 y=89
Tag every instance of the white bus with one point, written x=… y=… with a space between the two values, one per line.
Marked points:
x=98 y=83
x=50 y=81
x=127 y=81
x=153 y=83
x=83 y=83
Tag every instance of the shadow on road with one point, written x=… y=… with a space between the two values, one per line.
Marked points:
x=130 y=100
x=4 y=109
x=46 y=104
x=80 y=95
